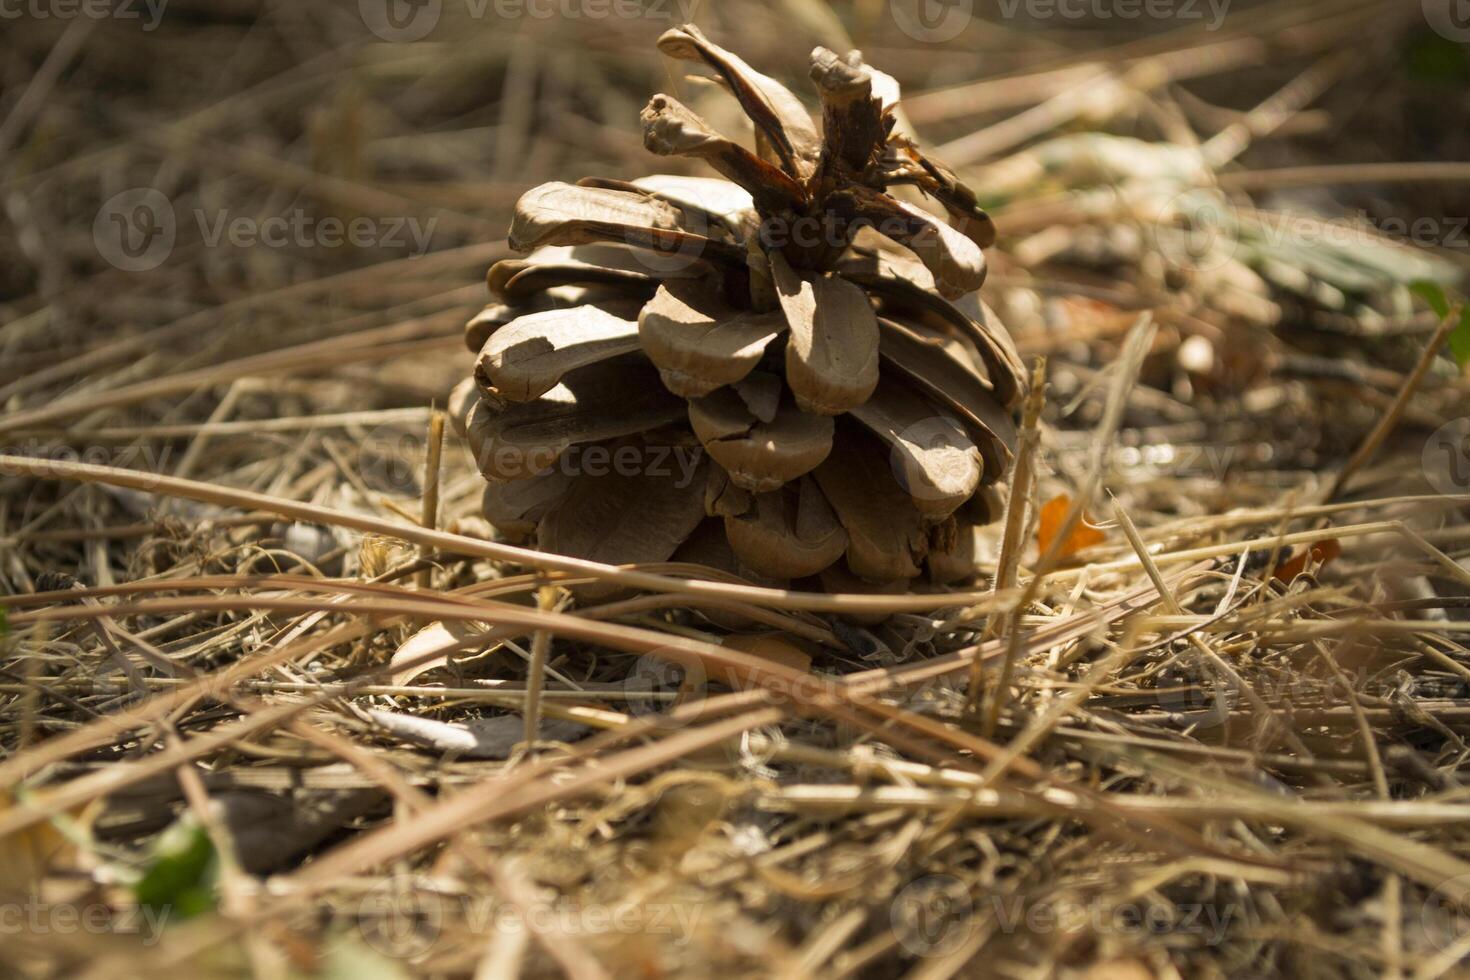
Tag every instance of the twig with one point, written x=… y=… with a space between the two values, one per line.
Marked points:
x=1390 y=419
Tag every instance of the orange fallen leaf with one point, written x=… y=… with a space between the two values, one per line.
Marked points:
x=1053 y=513
x=1322 y=552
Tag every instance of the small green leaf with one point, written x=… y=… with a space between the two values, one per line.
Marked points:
x=1432 y=293
x=1429 y=57
x=179 y=879
x=1460 y=339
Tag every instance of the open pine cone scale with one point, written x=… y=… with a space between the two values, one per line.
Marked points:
x=786 y=354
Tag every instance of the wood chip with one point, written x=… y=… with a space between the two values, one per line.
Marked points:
x=478 y=738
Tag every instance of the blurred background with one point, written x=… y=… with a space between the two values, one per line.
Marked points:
x=231 y=211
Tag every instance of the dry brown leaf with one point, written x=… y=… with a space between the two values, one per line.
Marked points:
x=29 y=856
x=1049 y=524
x=1319 y=554
x=431 y=647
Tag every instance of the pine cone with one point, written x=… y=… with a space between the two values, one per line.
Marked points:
x=783 y=373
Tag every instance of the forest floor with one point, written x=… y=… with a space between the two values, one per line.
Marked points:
x=264 y=669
